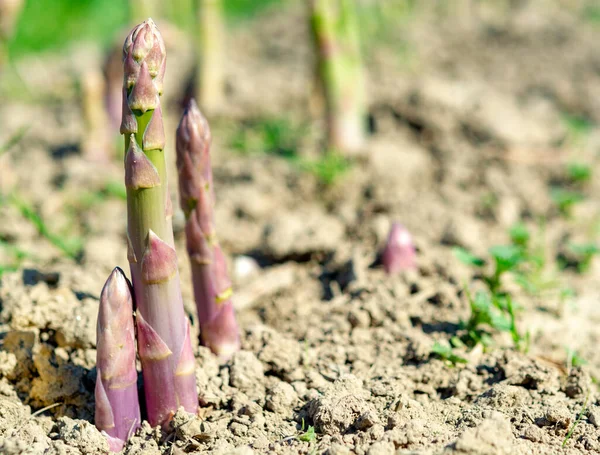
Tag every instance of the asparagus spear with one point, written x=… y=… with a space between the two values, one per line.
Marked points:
x=96 y=141
x=211 y=34
x=399 y=252
x=117 y=405
x=164 y=343
x=212 y=288
x=9 y=13
x=335 y=31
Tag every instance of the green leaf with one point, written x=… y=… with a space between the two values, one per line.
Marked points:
x=584 y=249
x=579 y=172
x=565 y=199
x=507 y=257
x=519 y=235
x=445 y=353
x=467 y=258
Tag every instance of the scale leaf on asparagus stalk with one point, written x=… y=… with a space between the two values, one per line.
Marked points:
x=212 y=287
x=164 y=343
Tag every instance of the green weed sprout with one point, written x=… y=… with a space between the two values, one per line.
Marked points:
x=308 y=435
x=584 y=252
x=565 y=200
x=579 y=417
x=506 y=258
x=445 y=353
x=579 y=173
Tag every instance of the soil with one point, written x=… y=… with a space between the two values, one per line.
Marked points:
x=468 y=134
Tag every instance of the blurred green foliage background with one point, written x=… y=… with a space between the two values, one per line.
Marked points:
x=52 y=24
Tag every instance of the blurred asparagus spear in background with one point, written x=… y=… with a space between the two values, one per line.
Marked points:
x=164 y=343
x=97 y=145
x=141 y=9
x=9 y=13
x=117 y=404
x=211 y=51
x=212 y=287
x=342 y=76
x=399 y=252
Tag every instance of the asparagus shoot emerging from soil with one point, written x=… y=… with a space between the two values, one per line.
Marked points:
x=164 y=343
x=335 y=30
x=117 y=405
x=211 y=33
x=212 y=288
x=399 y=252
x=96 y=141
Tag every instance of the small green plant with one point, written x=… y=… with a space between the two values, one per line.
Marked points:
x=14 y=139
x=328 y=168
x=271 y=136
x=15 y=254
x=494 y=309
x=584 y=253
x=574 y=359
x=506 y=258
x=578 y=127
x=565 y=199
x=484 y=316
x=467 y=257
x=579 y=173
x=519 y=236
x=71 y=247
x=445 y=352
x=308 y=434
x=579 y=417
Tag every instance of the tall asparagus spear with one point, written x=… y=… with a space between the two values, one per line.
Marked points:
x=211 y=34
x=117 y=405
x=335 y=30
x=164 y=343
x=212 y=288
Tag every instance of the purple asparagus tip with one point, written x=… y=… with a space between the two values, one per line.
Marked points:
x=117 y=405
x=212 y=286
x=399 y=252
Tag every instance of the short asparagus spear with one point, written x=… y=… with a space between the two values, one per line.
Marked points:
x=164 y=343
x=211 y=35
x=117 y=405
x=335 y=30
x=212 y=288
x=399 y=252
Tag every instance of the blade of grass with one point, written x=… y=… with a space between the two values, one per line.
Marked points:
x=579 y=417
x=70 y=247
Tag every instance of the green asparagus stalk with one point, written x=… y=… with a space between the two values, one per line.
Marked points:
x=96 y=141
x=335 y=31
x=9 y=13
x=212 y=287
x=211 y=52
x=139 y=9
x=164 y=343
x=117 y=405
